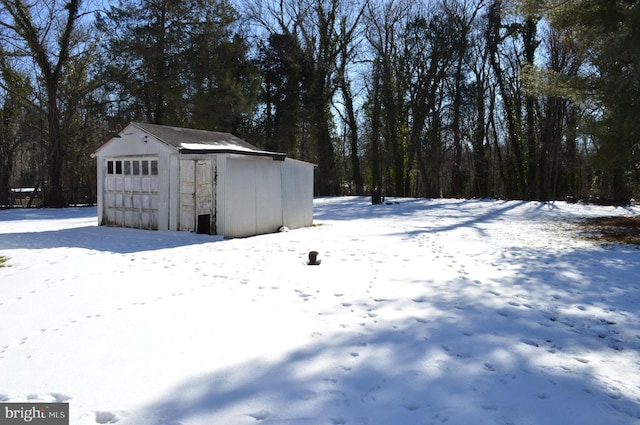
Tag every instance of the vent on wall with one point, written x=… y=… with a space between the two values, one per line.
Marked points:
x=204 y=224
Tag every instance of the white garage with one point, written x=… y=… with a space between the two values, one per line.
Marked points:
x=171 y=178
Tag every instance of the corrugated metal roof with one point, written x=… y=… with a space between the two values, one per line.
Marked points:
x=189 y=140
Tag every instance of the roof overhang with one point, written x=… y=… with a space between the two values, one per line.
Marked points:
x=203 y=149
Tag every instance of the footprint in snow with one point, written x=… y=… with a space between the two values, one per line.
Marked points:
x=615 y=394
x=412 y=406
x=260 y=416
x=60 y=398
x=307 y=395
x=106 y=418
x=489 y=367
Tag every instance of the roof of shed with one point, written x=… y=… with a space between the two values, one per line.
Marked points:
x=189 y=140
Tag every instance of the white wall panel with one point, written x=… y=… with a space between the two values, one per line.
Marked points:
x=268 y=188
x=239 y=203
x=297 y=193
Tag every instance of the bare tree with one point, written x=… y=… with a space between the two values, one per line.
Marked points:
x=384 y=25
x=44 y=32
x=323 y=30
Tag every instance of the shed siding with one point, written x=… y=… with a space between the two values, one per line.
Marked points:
x=297 y=190
x=134 y=142
x=239 y=204
x=252 y=196
x=268 y=189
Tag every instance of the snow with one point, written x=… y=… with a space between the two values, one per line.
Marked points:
x=218 y=146
x=421 y=312
x=221 y=147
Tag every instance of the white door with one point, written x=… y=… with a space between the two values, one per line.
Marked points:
x=187 y=194
x=131 y=193
x=197 y=193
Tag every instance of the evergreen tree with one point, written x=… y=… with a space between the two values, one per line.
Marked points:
x=609 y=34
x=178 y=62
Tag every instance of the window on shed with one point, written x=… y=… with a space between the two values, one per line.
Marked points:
x=127 y=168
x=154 y=168
x=145 y=168
x=109 y=167
x=136 y=168
x=118 y=167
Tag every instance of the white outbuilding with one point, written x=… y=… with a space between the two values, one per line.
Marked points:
x=171 y=178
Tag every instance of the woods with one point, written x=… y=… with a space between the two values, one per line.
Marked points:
x=516 y=99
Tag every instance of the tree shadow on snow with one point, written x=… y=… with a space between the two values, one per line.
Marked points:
x=18 y=214
x=101 y=238
x=491 y=358
x=360 y=207
x=354 y=208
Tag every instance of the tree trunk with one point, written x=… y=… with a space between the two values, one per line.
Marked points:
x=457 y=178
x=493 y=41
x=327 y=182
x=53 y=192
x=480 y=165
x=530 y=44
x=374 y=140
x=391 y=135
x=6 y=169
x=356 y=174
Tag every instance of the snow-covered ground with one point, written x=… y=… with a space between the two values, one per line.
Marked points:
x=421 y=312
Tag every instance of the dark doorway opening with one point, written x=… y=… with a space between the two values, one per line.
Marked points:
x=204 y=224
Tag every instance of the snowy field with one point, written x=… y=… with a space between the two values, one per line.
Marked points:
x=421 y=312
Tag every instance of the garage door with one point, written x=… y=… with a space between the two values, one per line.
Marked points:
x=131 y=193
